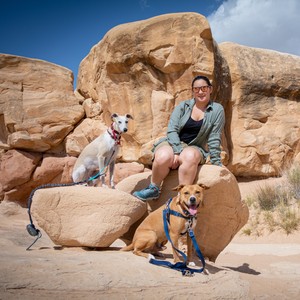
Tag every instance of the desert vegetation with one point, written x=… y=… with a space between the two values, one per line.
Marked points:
x=275 y=207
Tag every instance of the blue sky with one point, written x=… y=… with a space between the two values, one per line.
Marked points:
x=64 y=31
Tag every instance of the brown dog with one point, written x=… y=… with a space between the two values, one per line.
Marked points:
x=150 y=235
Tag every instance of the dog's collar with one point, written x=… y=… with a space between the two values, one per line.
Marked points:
x=115 y=135
x=186 y=215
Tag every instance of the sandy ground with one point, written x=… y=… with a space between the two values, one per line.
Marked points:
x=249 y=268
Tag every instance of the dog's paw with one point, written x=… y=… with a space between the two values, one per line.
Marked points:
x=150 y=256
x=161 y=248
x=206 y=272
x=159 y=254
x=192 y=264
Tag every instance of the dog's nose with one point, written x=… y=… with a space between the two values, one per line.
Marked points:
x=192 y=199
x=125 y=129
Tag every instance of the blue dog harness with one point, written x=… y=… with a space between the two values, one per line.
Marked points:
x=180 y=266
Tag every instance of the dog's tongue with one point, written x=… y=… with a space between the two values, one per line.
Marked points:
x=193 y=210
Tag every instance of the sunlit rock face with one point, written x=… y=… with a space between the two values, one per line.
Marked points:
x=38 y=107
x=265 y=121
x=145 y=68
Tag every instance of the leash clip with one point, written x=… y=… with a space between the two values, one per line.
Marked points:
x=188 y=273
x=191 y=232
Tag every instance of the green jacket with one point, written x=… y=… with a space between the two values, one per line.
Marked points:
x=209 y=137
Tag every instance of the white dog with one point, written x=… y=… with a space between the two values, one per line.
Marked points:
x=101 y=152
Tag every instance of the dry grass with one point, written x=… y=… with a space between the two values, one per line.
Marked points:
x=275 y=208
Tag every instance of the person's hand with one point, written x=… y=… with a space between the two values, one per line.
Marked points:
x=175 y=163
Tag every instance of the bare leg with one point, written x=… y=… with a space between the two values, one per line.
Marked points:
x=111 y=174
x=162 y=163
x=101 y=163
x=189 y=161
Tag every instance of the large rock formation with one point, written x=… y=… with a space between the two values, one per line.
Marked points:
x=134 y=71
x=145 y=68
x=38 y=107
x=264 y=125
x=22 y=171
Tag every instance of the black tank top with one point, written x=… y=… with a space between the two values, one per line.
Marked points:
x=190 y=130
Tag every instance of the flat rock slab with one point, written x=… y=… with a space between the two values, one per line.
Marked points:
x=85 y=216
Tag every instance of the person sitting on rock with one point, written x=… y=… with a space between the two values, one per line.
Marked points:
x=195 y=126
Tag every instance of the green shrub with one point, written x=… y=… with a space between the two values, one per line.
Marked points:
x=279 y=205
x=247 y=231
x=270 y=220
x=289 y=220
x=293 y=177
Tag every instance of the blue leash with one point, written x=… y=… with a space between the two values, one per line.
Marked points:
x=179 y=266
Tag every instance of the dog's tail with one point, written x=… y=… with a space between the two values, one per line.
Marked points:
x=127 y=248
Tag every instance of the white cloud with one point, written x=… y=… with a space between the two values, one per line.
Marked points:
x=269 y=24
x=144 y=4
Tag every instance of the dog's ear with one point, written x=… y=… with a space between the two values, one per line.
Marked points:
x=203 y=186
x=178 y=188
x=128 y=116
x=114 y=115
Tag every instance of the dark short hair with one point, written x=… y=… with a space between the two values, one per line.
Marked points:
x=203 y=78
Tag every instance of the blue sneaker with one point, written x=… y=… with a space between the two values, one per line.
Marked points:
x=151 y=192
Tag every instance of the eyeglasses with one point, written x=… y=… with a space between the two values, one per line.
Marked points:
x=203 y=88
